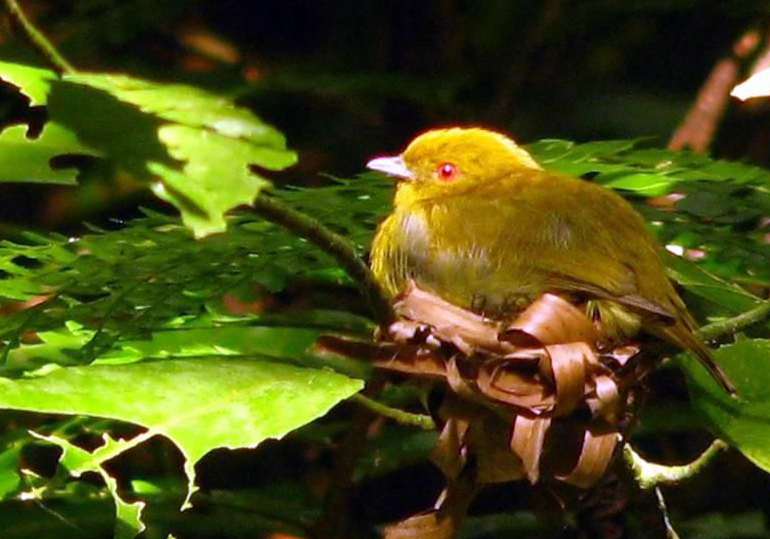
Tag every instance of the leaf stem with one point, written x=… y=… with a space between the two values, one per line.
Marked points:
x=38 y=40
x=649 y=474
x=399 y=416
x=335 y=245
x=736 y=323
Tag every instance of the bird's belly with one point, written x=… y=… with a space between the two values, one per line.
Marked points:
x=468 y=277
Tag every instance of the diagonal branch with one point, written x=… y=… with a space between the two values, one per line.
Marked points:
x=37 y=39
x=335 y=245
x=735 y=324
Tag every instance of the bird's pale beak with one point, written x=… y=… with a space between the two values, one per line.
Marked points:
x=392 y=166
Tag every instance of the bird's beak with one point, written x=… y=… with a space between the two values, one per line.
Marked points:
x=392 y=166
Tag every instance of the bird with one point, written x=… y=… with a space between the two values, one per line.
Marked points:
x=479 y=223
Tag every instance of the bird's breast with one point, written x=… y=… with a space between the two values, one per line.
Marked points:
x=456 y=268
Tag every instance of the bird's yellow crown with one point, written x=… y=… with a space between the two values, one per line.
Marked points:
x=477 y=153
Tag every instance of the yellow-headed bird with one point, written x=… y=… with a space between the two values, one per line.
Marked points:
x=479 y=223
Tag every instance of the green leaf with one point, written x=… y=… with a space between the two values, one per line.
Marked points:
x=200 y=405
x=743 y=421
x=9 y=462
x=216 y=175
x=646 y=184
x=24 y=159
x=704 y=284
x=33 y=82
x=77 y=461
x=185 y=105
x=201 y=146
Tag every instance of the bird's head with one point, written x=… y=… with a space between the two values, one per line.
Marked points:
x=446 y=159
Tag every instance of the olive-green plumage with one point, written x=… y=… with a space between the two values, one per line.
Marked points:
x=479 y=223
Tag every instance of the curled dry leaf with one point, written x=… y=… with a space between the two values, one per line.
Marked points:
x=568 y=362
x=550 y=320
x=443 y=521
x=504 y=382
x=495 y=462
x=449 y=323
x=606 y=401
x=450 y=452
x=599 y=444
x=527 y=442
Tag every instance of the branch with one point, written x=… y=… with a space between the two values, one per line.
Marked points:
x=732 y=325
x=399 y=416
x=649 y=474
x=699 y=126
x=38 y=41
x=335 y=245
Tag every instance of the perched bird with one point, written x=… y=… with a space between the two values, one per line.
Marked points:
x=477 y=222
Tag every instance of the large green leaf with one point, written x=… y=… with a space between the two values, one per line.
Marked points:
x=199 y=404
x=25 y=159
x=199 y=150
x=34 y=82
x=743 y=421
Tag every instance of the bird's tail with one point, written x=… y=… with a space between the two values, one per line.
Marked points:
x=680 y=334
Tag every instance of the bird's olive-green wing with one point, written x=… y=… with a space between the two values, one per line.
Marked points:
x=543 y=231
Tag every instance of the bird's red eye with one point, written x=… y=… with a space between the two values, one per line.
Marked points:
x=447 y=171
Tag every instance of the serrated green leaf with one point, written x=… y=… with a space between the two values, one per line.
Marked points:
x=185 y=105
x=204 y=150
x=77 y=461
x=33 y=82
x=743 y=421
x=215 y=175
x=200 y=405
x=24 y=159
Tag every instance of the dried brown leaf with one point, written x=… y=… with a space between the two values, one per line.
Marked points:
x=444 y=521
x=527 y=442
x=450 y=323
x=506 y=382
x=568 y=362
x=598 y=447
x=607 y=398
x=622 y=354
x=423 y=526
x=421 y=362
x=495 y=462
x=363 y=350
x=450 y=454
x=550 y=320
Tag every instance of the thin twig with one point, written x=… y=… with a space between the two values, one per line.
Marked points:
x=38 y=41
x=670 y=531
x=732 y=325
x=335 y=245
x=399 y=416
x=649 y=474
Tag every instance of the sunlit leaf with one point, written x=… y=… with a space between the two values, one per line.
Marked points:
x=77 y=461
x=744 y=421
x=24 y=159
x=33 y=82
x=199 y=404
